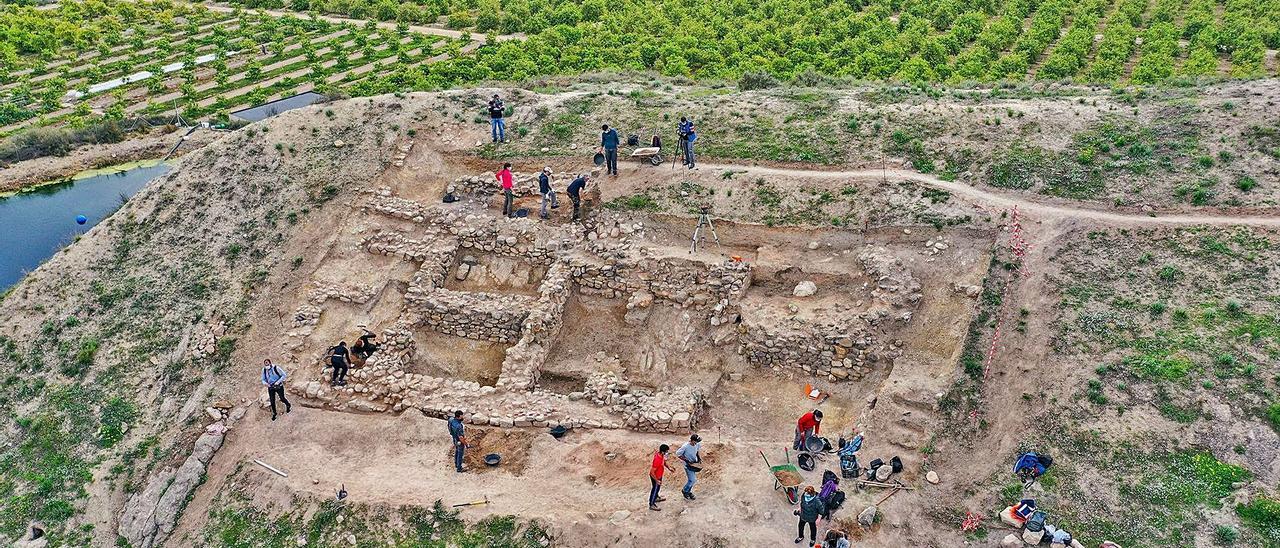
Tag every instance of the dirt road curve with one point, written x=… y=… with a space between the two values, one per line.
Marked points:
x=1038 y=209
x=438 y=31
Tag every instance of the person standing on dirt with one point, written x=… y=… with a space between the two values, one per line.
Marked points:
x=458 y=432
x=656 y=471
x=504 y=179
x=690 y=453
x=363 y=348
x=609 y=146
x=544 y=188
x=273 y=377
x=810 y=508
x=497 y=124
x=807 y=426
x=687 y=136
x=340 y=358
x=575 y=194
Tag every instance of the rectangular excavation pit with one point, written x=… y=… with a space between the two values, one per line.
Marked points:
x=562 y=384
x=771 y=297
x=662 y=345
x=493 y=273
x=456 y=358
x=340 y=321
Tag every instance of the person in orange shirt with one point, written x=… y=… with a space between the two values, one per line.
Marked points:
x=656 y=471
x=808 y=425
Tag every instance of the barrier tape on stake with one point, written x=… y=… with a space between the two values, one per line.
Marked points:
x=1019 y=246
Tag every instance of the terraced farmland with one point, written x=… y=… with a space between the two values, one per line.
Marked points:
x=81 y=62
x=952 y=41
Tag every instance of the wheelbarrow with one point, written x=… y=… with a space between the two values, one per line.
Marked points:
x=786 y=477
x=653 y=155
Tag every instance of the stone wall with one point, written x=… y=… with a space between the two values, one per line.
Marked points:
x=715 y=288
x=670 y=410
x=480 y=316
x=522 y=184
x=523 y=363
x=825 y=351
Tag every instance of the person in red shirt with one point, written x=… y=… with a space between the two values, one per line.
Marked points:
x=808 y=425
x=656 y=471
x=504 y=178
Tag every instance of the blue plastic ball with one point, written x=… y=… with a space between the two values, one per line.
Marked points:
x=81 y=219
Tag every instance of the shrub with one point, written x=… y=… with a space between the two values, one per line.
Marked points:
x=1263 y=515
x=1273 y=415
x=1226 y=534
x=756 y=80
x=1246 y=183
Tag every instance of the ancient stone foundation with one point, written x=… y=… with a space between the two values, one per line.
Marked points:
x=601 y=258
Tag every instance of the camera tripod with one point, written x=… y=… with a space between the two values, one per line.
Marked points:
x=704 y=220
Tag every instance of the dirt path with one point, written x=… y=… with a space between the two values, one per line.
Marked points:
x=423 y=29
x=1042 y=210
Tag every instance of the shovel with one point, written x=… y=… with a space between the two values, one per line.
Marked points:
x=474 y=502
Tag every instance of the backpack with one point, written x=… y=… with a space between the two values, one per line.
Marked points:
x=837 y=500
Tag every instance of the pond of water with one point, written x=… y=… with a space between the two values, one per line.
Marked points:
x=36 y=224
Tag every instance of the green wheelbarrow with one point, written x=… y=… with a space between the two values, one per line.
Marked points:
x=786 y=477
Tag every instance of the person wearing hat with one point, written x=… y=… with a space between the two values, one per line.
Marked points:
x=690 y=454
x=497 y=125
x=807 y=426
x=548 y=195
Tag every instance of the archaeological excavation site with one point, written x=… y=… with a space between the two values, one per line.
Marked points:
x=339 y=326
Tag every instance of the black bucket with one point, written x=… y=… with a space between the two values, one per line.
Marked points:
x=598 y=159
x=558 y=431
x=492 y=459
x=807 y=462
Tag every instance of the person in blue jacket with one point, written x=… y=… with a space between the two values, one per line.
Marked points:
x=609 y=146
x=458 y=432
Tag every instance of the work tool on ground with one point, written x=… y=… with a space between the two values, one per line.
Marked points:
x=474 y=502
x=886 y=497
x=785 y=477
x=885 y=485
x=271 y=468
x=653 y=155
x=704 y=220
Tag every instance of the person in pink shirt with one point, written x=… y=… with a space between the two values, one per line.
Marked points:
x=504 y=178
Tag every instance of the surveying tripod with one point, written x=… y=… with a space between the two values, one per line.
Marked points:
x=704 y=220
